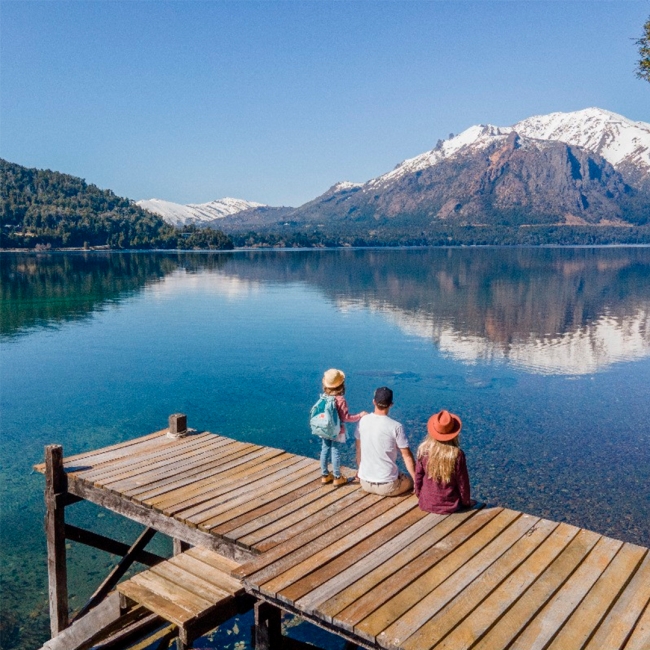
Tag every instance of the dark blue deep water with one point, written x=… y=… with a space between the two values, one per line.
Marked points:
x=545 y=354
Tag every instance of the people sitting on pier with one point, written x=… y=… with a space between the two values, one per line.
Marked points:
x=334 y=384
x=378 y=440
x=441 y=478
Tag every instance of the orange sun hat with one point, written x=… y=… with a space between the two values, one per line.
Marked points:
x=444 y=426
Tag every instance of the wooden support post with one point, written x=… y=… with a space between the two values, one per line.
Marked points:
x=56 y=484
x=180 y=546
x=268 y=626
x=178 y=425
x=120 y=569
x=109 y=545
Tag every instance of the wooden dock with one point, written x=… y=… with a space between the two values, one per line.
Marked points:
x=375 y=570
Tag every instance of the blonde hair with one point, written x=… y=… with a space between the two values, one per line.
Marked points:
x=338 y=390
x=440 y=458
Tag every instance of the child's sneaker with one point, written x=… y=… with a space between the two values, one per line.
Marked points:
x=341 y=480
x=327 y=478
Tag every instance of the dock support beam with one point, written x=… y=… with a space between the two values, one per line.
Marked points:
x=268 y=626
x=179 y=546
x=55 y=485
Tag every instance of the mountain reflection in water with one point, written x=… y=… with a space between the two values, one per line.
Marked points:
x=558 y=311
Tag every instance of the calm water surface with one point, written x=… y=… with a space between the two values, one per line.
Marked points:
x=544 y=353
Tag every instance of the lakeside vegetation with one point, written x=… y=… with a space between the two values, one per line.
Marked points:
x=548 y=235
x=46 y=209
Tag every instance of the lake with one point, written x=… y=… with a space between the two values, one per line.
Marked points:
x=544 y=353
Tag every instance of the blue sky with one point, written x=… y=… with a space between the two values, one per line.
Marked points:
x=276 y=101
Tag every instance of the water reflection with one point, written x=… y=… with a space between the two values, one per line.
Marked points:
x=558 y=311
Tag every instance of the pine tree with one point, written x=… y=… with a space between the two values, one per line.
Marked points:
x=643 y=67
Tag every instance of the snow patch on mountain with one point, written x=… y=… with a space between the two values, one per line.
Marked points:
x=618 y=140
x=612 y=136
x=177 y=214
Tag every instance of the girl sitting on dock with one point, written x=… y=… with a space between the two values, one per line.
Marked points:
x=441 y=478
x=334 y=384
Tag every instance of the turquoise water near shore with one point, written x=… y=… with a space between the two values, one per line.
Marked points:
x=545 y=353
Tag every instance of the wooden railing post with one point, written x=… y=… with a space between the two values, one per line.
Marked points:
x=56 y=484
x=179 y=546
x=268 y=626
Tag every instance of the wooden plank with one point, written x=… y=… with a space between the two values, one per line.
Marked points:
x=107 y=544
x=177 y=575
x=621 y=619
x=70 y=460
x=216 y=577
x=362 y=510
x=475 y=625
x=164 y=588
x=149 y=517
x=280 y=582
x=252 y=501
x=640 y=638
x=317 y=512
x=148 y=463
x=239 y=459
x=207 y=512
x=422 y=610
x=452 y=605
x=380 y=555
x=272 y=565
x=97 y=624
x=280 y=501
x=226 y=484
x=536 y=596
x=218 y=475
x=587 y=617
x=388 y=584
x=558 y=609
x=160 y=605
x=213 y=559
x=368 y=542
x=153 y=449
x=177 y=469
x=381 y=617
x=290 y=513
x=386 y=563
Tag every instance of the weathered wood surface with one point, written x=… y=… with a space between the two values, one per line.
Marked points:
x=377 y=570
x=193 y=590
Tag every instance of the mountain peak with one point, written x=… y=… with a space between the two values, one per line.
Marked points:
x=193 y=213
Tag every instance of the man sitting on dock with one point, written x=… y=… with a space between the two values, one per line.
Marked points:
x=378 y=438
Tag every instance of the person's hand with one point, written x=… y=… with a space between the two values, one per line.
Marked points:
x=363 y=413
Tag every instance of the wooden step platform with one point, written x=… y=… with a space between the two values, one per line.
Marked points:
x=193 y=590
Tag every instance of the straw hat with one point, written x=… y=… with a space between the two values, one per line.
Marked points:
x=444 y=426
x=333 y=378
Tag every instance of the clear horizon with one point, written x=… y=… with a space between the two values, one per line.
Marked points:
x=275 y=102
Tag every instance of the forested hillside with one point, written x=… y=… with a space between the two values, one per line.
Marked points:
x=46 y=208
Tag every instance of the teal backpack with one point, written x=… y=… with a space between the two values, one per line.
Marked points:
x=324 y=418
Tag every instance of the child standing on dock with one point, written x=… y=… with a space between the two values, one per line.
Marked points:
x=334 y=385
x=441 y=478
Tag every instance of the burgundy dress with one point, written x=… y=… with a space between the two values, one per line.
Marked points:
x=443 y=498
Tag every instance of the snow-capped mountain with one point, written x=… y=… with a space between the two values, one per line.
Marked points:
x=196 y=213
x=621 y=142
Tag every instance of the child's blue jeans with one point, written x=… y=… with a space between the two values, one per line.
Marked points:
x=335 y=448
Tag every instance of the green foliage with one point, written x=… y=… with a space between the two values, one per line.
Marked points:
x=643 y=67
x=42 y=209
x=451 y=236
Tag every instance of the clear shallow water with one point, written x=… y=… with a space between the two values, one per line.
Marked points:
x=544 y=353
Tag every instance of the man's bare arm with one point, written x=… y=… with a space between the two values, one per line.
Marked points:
x=409 y=461
x=358 y=444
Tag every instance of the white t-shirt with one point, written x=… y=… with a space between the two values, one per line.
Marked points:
x=380 y=437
